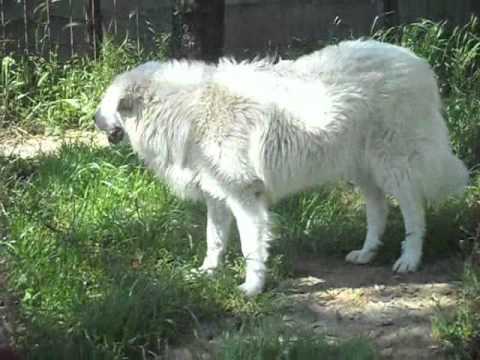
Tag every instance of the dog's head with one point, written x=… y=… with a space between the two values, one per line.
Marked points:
x=121 y=101
x=108 y=118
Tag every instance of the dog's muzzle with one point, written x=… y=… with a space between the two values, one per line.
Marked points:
x=116 y=135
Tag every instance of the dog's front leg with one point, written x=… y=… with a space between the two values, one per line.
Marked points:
x=219 y=221
x=252 y=216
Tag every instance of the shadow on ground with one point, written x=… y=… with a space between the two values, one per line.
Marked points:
x=394 y=311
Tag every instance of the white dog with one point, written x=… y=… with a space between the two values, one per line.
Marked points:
x=240 y=136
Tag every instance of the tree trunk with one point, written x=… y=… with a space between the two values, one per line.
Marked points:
x=199 y=29
x=391 y=10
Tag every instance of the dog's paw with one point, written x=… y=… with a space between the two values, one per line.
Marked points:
x=251 y=289
x=206 y=269
x=360 y=256
x=408 y=262
x=199 y=272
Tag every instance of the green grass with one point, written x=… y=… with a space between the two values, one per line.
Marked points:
x=267 y=341
x=48 y=95
x=99 y=251
x=460 y=332
x=51 y=95
x=332 y=221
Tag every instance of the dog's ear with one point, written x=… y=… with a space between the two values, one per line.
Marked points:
x=126 y=103
x=130 y=102
x=131 y=99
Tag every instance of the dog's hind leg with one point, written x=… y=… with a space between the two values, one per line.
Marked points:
x=377 y=211
x=219 y=223
x=253 y=222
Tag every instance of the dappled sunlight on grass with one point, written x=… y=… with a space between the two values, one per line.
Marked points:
x=99 y=253
x=99 y=248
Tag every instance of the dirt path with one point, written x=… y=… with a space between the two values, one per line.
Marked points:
x=329 y=295
x=395 y=311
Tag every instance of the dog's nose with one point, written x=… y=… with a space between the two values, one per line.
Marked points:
x=116 y=135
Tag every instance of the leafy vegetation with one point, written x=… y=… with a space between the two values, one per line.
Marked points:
x=100 y=253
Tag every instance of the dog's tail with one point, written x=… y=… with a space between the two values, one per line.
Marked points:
x=439 y=172
x=444 y=176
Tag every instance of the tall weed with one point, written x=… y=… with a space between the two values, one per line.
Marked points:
x=48 y=94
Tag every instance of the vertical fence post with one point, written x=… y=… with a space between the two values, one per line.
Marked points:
x=94 y=22
x=70 y=28
x=115 y=17
x=48 y=38
x=93 y=32
x=2 y=24
x=137 y=24
x=26 y=18
x=391 y=9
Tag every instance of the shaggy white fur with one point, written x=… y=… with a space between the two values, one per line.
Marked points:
x=240 y=136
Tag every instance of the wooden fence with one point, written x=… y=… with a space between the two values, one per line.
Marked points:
x=78 y=26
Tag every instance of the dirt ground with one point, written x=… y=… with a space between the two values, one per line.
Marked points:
x=395 y=311
x=333 y=297
x=340 y=301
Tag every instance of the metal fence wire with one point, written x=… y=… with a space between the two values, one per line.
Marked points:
x=76 y=27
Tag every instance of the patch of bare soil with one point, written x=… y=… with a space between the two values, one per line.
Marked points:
x=24 y=145
x=340 y=301
x=394 y=311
